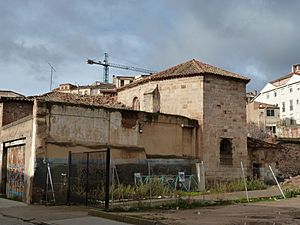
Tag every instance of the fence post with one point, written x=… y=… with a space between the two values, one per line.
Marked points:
x=200 y=176
x=277 y=182
x=107 y=179
x=69 y=177
x=245 y=183
x=87 y=178
x=150 y=183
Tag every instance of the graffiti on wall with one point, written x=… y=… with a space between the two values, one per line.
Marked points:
x=15 y=172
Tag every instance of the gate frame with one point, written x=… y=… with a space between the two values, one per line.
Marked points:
x=107 y=176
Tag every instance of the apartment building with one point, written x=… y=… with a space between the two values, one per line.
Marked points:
x=284 y=92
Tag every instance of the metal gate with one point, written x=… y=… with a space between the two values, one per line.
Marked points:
x=15 y=172
x=89 y=178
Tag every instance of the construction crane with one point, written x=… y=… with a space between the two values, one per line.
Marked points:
x=107 y=64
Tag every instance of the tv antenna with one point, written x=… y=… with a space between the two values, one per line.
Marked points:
x=51 y=75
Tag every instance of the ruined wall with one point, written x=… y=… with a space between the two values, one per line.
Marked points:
x=13 y=111
x=224 y=117
x=101 y=126
x=284 y=160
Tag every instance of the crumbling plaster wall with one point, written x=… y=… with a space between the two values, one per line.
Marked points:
x=157 y=134
x=15 y=131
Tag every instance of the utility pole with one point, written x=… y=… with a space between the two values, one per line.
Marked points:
x=51 y=75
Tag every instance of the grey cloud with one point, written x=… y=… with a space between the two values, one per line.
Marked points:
x=257 y=38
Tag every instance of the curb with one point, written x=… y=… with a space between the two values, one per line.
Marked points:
x=123 y=218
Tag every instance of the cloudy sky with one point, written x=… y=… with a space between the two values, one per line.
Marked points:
x=259 y=39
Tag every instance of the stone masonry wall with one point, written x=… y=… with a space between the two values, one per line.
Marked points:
x=182 y=96
x=284 y=160
x=219 y=106
x=224 y=117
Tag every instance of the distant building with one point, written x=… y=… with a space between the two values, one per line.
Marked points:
x=251 y=95
x=264 y=116
x=95 y=89
x=285 y=93
x=6 y=93
x=121 y=81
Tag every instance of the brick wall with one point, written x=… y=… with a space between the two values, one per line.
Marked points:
x=13 y=111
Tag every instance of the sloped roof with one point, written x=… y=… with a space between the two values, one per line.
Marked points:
x=188 y=69
x=254 y=144
x=106 y=101
x=284 y=79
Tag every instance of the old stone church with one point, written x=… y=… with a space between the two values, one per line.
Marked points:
x=213 y=96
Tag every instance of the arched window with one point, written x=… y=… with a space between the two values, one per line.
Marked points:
x=226 y=152
x=136 y=103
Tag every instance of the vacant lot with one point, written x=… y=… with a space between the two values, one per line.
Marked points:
x=262 y=213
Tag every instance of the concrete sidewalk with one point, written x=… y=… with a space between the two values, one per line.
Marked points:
x=49 y=215
x=73 y=215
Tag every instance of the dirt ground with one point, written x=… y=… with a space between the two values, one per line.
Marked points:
x=263 y=213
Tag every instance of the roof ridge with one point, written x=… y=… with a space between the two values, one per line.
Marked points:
x=197 y=63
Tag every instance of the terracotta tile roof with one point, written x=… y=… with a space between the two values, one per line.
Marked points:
x=107 y=101
x=254 y=144
x=187 y=69
x=284 y=79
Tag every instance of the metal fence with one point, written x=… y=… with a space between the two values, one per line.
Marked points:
x=89 y=178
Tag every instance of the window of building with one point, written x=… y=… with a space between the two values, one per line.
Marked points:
x=291 y=105
x=275 y=93
x=282 y=91
x=283 y=106
x=292 y=120
x=270 y=112
x=271 y=129
x=136 y=103
x=122 y=83
x=268 y=96
x=291 y=90
x=226 y=151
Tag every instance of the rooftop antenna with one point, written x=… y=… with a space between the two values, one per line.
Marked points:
x=51 y=75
